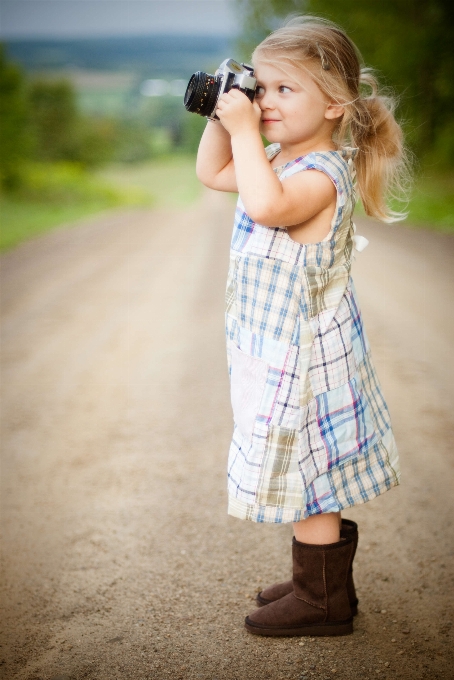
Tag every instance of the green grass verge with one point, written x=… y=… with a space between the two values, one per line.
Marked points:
x=55 y=194
x=431 y=203
x=23 y=220
x=171 y=181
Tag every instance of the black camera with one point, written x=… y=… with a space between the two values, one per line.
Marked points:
x=204 y=89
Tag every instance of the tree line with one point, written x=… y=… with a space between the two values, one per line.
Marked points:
x=40 y=121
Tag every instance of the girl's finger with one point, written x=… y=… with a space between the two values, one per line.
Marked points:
x=236 y=93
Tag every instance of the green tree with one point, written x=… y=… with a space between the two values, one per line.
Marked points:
x=410 y=42
x=14 y=138
x=96 y=140
x=62 y=133
x=54 y=118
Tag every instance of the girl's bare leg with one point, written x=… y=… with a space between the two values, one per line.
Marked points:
x=319 y=529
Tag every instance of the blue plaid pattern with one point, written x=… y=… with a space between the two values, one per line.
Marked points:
x=268 y=292
x=244 y=229
x=319 y=438
x=344 y=423
x=333 y=360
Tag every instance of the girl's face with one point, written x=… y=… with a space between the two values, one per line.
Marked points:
x=294 y=109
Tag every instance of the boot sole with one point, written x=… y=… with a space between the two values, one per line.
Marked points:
x=313 y=630
x=262 y=602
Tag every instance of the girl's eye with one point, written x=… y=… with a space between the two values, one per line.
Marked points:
x=259 y=91
x=284 y=89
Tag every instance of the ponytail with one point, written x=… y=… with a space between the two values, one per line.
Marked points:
x=381 y=162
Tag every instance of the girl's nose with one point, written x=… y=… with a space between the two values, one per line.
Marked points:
x=266 y=101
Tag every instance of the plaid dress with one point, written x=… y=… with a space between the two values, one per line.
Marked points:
x=312 y=431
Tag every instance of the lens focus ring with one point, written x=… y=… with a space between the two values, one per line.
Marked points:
x=202 y=93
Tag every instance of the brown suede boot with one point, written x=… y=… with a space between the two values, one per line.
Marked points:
x=278 y=590
x=319 y=602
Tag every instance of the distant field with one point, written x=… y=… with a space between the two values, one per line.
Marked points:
x=107 y=72
x=104 y=93
x=151 y=56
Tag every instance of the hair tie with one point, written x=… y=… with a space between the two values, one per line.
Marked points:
x=325 y=63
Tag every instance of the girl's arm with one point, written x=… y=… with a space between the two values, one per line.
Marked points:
x=214 y=166
x=266 y=199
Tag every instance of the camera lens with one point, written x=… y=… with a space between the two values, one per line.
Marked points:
x=202 y=93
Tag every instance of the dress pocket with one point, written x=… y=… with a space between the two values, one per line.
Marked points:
x=335 y=426
x=248 y=379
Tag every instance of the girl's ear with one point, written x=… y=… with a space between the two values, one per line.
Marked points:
x=334 y=111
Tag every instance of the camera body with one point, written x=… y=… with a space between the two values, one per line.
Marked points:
x=203 y=90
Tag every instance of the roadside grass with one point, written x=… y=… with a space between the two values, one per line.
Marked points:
x=61 y=193
x=171 y=181
x=23 y=220
x=431 y=203
x=55 y=194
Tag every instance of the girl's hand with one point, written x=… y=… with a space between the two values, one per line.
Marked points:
x=237 y=113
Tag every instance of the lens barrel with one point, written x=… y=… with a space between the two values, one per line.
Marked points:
x=202 y=93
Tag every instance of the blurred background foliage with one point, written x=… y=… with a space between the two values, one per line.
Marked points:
x=78 y=133
x=78 y=140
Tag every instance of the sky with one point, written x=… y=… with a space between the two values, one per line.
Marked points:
x=94 y=18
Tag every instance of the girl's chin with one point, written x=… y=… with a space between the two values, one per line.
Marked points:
x=269 y=134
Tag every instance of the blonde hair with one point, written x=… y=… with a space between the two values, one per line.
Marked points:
x=368 y=123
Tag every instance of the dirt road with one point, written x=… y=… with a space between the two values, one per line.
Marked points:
x=119 y=559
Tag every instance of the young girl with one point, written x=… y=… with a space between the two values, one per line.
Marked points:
x=312 y=431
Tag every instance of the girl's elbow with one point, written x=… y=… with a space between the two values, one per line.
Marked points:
x=199 y=171
x=266 y=216
x=204 y=177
